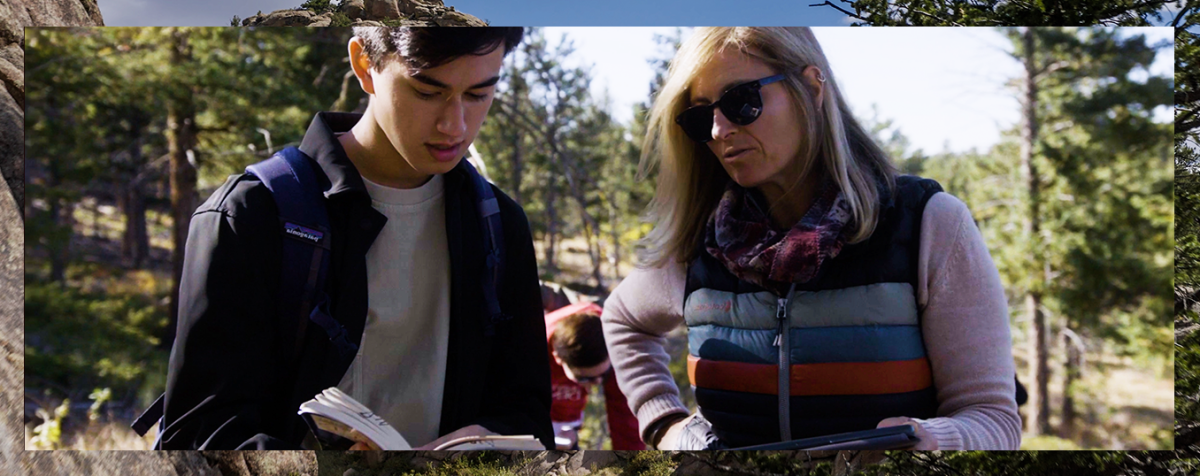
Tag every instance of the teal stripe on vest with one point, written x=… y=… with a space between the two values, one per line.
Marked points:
x=812 y=345
x=886 y=304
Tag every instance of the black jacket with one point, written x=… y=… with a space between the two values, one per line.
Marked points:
x=231 y=383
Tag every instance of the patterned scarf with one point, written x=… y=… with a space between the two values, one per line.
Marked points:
x=741 y=236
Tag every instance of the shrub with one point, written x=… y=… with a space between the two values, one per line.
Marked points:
x=318 y=6
x=340 y=19
x=77 y=341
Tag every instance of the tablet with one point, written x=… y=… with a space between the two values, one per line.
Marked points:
x=887 y=438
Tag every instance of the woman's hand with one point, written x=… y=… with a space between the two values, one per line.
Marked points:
x=927 y=443
x=670 y=438
x=473 y=430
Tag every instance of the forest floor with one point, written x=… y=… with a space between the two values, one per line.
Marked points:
x=1120 y=406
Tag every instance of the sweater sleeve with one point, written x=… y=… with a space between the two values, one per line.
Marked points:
x=622 y=425
x=965 y=324
x=637 y=317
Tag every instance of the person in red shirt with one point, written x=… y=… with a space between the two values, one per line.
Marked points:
x=580 y=361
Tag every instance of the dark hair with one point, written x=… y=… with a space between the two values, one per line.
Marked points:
x=421 y=48
x=579 y=340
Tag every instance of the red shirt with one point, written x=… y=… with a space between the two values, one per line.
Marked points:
x=569 y=398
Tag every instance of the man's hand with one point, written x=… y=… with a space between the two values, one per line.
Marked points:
x=927 y=443
x=473 y=430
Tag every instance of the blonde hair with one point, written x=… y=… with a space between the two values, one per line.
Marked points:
x=691 y=179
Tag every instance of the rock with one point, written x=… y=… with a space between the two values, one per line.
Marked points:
x=421 y=11
x=381 y=9
x=15 y=15
x=353 y=9
x=322 y=20
x=368 y=13
x=584 y=462
x=283 y=18
x=262 y=463
x=12 y=138
x=453 y=18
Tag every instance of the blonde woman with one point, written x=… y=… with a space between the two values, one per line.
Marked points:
x=784 y=234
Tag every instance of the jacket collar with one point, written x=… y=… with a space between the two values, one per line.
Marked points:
x=321 y=143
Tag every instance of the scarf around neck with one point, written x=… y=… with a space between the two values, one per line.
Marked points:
x=741 y=236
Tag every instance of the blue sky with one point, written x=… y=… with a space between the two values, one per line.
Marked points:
x=506 y=12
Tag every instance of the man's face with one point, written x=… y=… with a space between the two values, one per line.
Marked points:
x=583 y=375
x=431 y=116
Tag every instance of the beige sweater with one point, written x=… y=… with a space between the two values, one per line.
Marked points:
x=964 y=322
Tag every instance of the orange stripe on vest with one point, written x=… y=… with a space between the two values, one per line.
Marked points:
x=838 y=378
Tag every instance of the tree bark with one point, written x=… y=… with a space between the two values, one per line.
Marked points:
x=1071 y=373
x=551 y=226
x=135 y=242
x=1039 y=408
x=517 y=162
x=181 y=142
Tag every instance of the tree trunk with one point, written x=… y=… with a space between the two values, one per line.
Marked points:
x=1071 y=373
x=614 y=235
x=181 y=142
x=514 y=187
x=1039 y=407
x=60 y=240
x=551 y=226
x=135 y=242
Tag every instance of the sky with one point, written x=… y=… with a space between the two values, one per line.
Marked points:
x=943 y=88
x=506 y=12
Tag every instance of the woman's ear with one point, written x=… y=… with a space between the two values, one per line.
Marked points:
x=814 y=80
x=360 y=63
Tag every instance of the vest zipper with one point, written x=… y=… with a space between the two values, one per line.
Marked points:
x=785 y=366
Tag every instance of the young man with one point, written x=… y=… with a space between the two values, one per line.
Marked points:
x=576 y=342
x=405 y=277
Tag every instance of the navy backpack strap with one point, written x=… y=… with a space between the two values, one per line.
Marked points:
x=298 y=193
x=149 y=417
x=489 y=216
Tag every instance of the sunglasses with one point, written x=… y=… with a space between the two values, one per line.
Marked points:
x=741 y=104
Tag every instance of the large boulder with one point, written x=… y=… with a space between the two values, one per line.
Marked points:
x=353 y=9
x=382 y=9
x=283 y=18
x=453 y=18
x=15 y=15
x=322 y=20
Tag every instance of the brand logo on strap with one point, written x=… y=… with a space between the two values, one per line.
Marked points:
x=306 y=234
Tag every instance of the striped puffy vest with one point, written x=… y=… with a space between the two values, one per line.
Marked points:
x=854 y=349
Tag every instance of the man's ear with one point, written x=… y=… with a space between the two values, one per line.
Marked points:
x=557 y=360
x=360 y=63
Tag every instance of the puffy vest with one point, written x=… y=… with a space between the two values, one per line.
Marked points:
x=854 y=349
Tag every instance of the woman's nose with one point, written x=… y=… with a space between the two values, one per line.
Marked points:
x=722 y=127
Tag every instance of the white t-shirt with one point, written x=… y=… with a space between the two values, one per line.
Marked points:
x=400 y=369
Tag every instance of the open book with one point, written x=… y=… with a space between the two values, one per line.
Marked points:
x=338 y=421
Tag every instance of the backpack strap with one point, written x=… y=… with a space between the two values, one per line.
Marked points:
x=304 y=222
x=298 y=193
x=489 y=217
